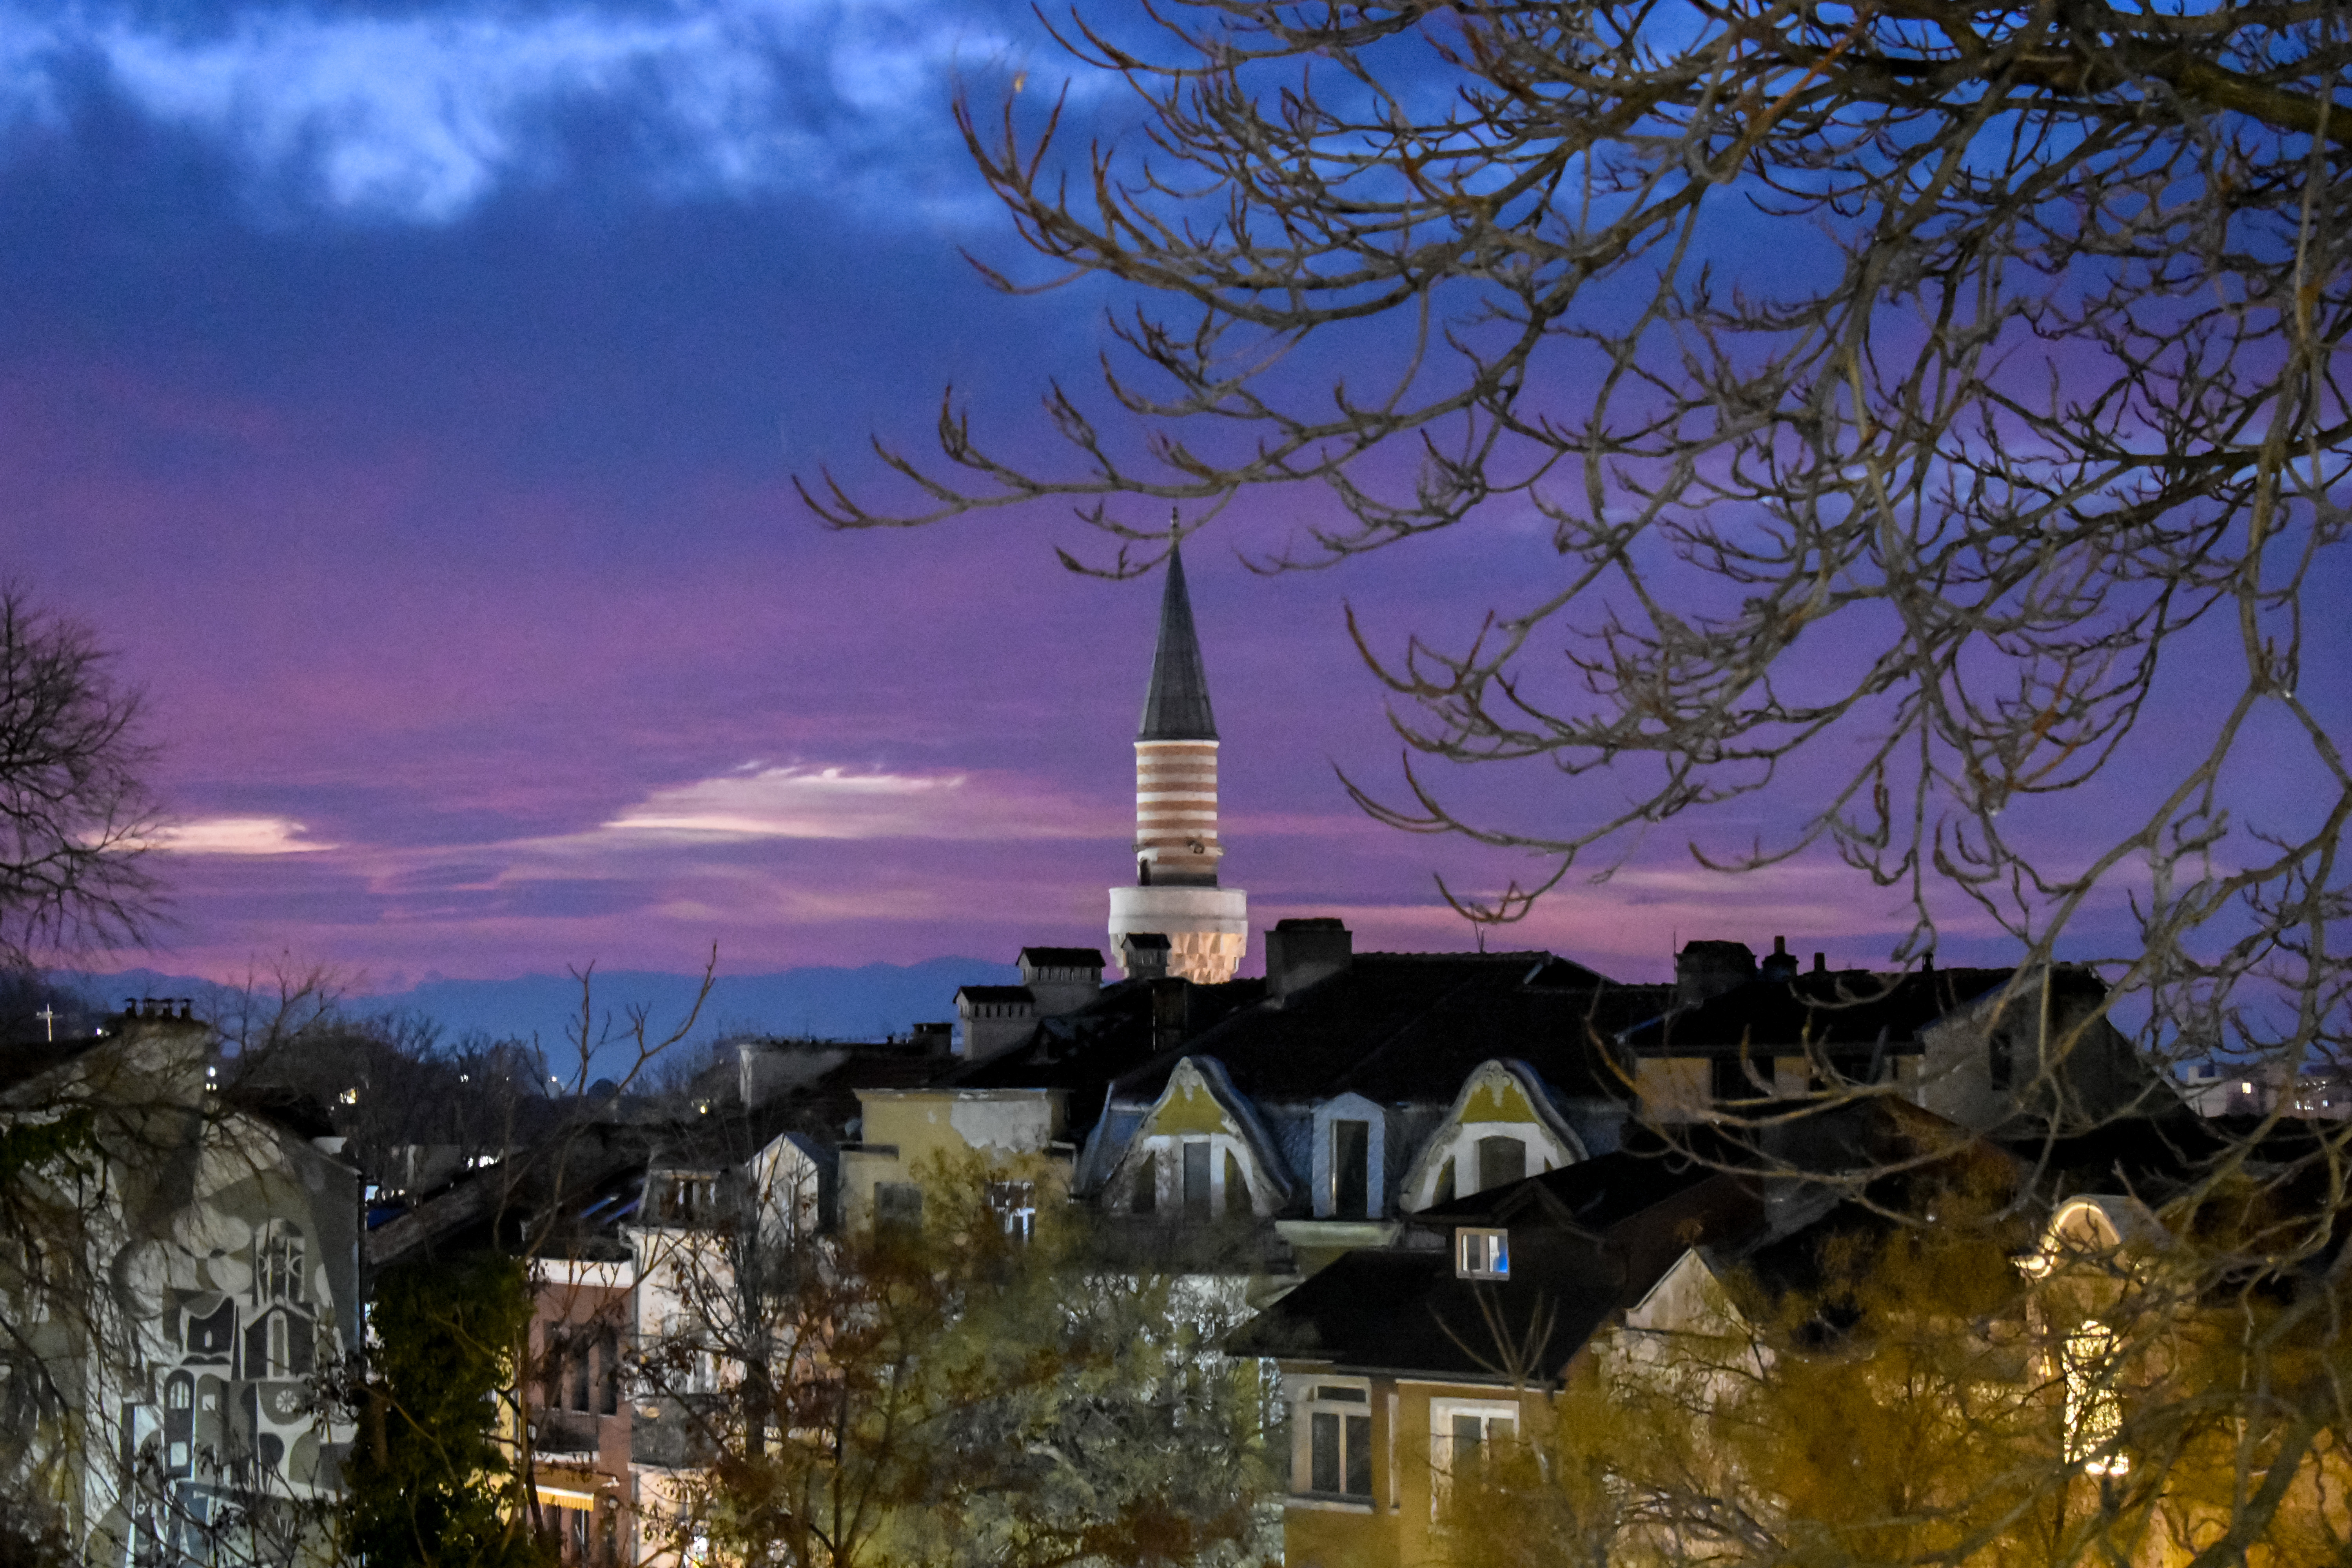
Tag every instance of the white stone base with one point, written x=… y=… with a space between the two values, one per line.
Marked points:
x=1207 y=928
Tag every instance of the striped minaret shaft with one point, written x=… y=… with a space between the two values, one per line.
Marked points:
x=1176 y=754
x=1176 y=812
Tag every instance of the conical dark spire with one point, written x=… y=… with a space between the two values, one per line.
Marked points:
x=1176 y=706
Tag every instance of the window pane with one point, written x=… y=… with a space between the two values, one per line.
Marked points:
x=1196 y=1178
x=898 y=1205
x=1466 y=1433
x=1359 y=1455
x=1237 y=1199
x=1325 y=1435
x=1352 y=1169
x=1501 y=1161
x=1147 y=1184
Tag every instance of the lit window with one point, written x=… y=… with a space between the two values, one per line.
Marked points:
x=2093 y=1413
x=1015 y=1204
x=1482 y=1254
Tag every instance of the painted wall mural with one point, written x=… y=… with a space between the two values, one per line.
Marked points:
x=255 y=1302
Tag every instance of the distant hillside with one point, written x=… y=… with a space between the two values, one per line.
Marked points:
x=866 y=1003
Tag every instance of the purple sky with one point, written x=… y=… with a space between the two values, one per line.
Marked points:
x=411 y=397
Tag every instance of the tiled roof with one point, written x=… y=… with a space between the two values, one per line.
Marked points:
x=1062 y=957
x=1411 y=1026
x=1404 y=1309
x=1118 y=1031
x=1003 y=995
x=1594 y=1194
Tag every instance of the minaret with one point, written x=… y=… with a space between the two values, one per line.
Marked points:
x=1176 y=848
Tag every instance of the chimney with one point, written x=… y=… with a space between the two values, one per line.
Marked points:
x=1062 y=979
x=935 y=1039
x=994 y=1017
x=1783 y=964
x=1707 y=969
x=1298 y=952
x=1143 y=954
x=1821 y=964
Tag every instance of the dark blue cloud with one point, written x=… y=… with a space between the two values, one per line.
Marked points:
x=420 y=113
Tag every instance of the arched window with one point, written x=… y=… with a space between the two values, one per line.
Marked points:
x=180 y=1393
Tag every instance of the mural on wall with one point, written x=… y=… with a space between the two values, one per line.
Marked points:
x=254 y=1296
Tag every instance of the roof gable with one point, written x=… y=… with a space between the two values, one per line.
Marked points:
x=1497 y=1092
x=1201 y=1102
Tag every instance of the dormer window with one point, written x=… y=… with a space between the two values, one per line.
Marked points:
x=1482 y=1254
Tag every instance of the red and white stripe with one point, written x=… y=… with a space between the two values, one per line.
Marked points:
x=1176 y=804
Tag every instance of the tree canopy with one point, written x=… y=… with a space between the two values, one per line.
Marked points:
x=428 y=1484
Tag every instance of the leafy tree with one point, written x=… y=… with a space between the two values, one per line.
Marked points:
x=969 y=1395
x=1878 y=1393
x=429 y=1486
